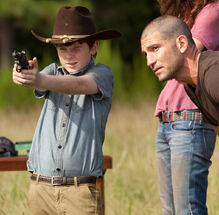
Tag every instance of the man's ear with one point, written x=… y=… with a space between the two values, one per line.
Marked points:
x=182 y=43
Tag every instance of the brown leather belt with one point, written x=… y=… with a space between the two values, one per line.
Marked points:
x=181 y=116
x=56 y=180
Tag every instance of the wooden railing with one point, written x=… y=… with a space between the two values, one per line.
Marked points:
x=19 y=164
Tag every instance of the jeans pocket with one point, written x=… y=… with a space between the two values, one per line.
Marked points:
x=204 y=140
x=209 y=139
x=182 y=126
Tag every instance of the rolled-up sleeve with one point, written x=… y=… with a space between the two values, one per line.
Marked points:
x=103 y=77
x=49 y=70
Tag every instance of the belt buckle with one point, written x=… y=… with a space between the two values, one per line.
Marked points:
x=52 y=181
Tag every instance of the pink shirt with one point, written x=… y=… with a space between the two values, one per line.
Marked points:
x=206 y=29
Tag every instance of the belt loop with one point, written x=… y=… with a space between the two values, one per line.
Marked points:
x=160 y=116
x=64 y=180
x=75 y=181
x=170 y=116
x=37 y=178
x=201 y=117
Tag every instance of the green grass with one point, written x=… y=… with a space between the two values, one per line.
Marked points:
x=130 y=186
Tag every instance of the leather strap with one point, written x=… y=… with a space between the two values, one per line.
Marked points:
x=56 y=180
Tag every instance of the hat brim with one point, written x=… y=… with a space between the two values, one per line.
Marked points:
x=102 y=35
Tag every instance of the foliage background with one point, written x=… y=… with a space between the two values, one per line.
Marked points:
x=131 y=186
x=133 y=80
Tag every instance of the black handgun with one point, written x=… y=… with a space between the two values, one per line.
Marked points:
x=21 y=60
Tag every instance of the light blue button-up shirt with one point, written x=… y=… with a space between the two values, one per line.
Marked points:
x=70 y=132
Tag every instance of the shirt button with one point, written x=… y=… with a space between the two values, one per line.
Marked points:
x=58 y=169
x=59 y=146
x=63 y=125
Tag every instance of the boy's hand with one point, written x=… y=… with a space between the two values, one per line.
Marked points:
x=28 y=78
x=66 y=84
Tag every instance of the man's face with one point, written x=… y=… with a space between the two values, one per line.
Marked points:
x=75 y=56
x=162 y=56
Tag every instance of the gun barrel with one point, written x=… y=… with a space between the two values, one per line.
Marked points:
x=20 y=59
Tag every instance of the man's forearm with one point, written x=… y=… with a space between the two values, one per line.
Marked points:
x=216 y=128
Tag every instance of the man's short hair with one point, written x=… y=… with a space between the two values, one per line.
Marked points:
x=169 y=27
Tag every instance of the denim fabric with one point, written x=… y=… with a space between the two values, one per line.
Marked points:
x=183 y=151
x=70 y=131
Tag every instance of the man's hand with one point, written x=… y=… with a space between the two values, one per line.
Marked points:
x=28 y=78
x=216 y=128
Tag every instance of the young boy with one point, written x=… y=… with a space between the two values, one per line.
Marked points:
x=67 y=144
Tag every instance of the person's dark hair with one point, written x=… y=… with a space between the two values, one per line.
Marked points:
x=90 y=44
x=185 y=9
x=169 y=27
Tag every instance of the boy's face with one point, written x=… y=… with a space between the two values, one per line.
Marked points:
x=76 y=56
x=162 y=56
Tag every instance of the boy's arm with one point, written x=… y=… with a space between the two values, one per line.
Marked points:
x=63 y=84
x=68 y=84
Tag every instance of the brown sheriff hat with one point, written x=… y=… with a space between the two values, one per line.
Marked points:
x=74 y=24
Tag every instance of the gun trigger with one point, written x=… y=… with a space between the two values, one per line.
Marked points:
x=18 y=70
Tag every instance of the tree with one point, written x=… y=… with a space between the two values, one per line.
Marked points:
x=130 y=17
x=18 y=17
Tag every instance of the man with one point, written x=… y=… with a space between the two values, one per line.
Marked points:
x=183 y=138
x=171 y=53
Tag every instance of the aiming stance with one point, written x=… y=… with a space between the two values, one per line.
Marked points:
x=67 y=144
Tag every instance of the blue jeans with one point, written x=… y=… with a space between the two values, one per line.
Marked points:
x=183 y=152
